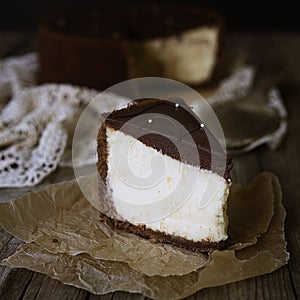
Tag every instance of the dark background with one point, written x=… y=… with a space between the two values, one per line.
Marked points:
x=239 y=15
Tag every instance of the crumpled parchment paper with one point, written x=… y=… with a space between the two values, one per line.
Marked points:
x=66 y=241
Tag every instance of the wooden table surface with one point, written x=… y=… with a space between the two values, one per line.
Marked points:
x=260 y=49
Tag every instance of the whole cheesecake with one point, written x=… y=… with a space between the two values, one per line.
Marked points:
x=165 y=177
x=120 y=42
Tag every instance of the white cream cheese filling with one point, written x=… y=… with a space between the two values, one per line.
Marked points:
x=147 y=187
x=190 y=59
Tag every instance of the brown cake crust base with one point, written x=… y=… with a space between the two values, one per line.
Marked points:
x=162 y=237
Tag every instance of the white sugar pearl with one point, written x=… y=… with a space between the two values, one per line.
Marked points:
x=150 y=121
x=202 y=125
x=176 y=105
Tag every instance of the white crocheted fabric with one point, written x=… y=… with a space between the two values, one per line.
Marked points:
x=37 y=122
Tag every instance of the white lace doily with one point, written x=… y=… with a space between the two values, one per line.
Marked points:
x=37 y=122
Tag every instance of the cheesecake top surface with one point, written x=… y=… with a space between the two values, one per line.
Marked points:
x=174 y=130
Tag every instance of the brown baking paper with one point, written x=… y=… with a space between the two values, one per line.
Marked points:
x=64 y=247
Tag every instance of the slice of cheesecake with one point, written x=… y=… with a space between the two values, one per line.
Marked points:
x=166 y=177
x=184 y=45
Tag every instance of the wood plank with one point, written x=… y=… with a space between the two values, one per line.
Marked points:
x=15 y=283
x=8 y=244
x=5 y=237
x=9 y=278
x=127 y=296
x=43 y=287
x=285 y=162
x=277 y=285
x=287 y=167
x=109 y=296
x=4 y=273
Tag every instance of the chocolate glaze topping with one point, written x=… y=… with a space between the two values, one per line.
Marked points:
x=173 y=130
